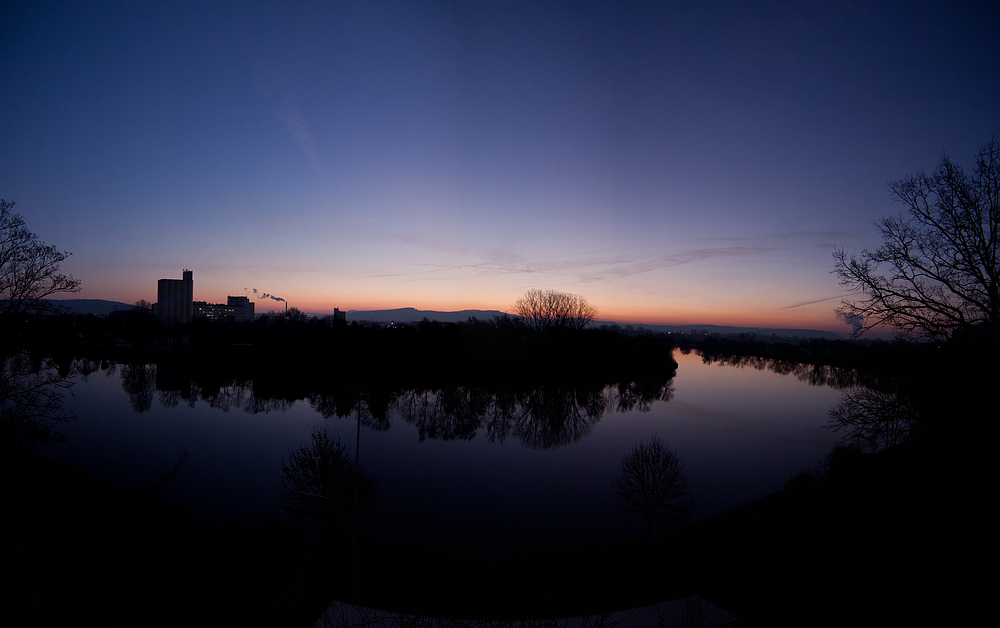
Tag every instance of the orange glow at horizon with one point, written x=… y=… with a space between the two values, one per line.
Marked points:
x=821 y=317
x=739 y=304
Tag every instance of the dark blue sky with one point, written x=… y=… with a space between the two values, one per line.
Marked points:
x=670 y=162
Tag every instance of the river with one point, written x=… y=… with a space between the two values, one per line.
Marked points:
x=740 y=433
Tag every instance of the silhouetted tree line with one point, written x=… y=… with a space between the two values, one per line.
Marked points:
x=837 y=363
x=866 y=355
x=476 y=352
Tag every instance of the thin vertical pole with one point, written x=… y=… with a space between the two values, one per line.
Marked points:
x=357 y=480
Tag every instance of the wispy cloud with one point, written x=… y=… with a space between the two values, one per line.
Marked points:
x=433 y=272
x=629 y=268
x=777 y=236
x=805 y=303
x=594 y=268
x=291 y=115
x=580 y=268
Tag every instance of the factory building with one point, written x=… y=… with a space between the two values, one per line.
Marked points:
x=175 y=303
x=239 y=309
x=245 y=304
x=175 y=299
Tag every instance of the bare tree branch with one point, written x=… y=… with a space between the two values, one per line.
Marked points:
x=549 y=309
x=937 y=270
x=29 y=270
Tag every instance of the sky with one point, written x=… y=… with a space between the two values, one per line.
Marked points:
x=673 y=163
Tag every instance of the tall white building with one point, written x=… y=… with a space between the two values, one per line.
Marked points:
x=175 y=299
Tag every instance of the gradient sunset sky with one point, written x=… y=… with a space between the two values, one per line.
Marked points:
x=675 y=163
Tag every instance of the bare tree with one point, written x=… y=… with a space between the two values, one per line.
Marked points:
x=651 y=483
x=296 y=315
x=548 y=309
x=29 y=270
x=937 y=270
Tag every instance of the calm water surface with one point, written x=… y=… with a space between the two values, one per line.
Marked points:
x=739 y=431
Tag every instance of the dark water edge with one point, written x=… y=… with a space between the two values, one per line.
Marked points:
x=861 y=547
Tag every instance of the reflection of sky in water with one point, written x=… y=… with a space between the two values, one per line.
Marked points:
x=740 y=433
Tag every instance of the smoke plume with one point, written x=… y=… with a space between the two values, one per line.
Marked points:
x=264 y=295
x=857 y=321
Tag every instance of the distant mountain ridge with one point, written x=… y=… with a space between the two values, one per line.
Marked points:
x=97 y=307
x=413 y=315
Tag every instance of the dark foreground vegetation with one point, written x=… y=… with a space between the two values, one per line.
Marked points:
x=879 y=534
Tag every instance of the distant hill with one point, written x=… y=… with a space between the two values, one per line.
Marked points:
x=412 y=315
x=98 y=307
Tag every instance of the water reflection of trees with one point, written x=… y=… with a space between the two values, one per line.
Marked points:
x=240 y=395
x=230 y=395
x=170 y=386
x=31 y=398
x=139 y=381
x=544 y=416
x=451 y=414
x=813 y=374
x=872 y=413
x=873 y=419
x=320 y=474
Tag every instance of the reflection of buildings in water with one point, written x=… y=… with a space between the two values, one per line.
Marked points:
x=174 y=379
